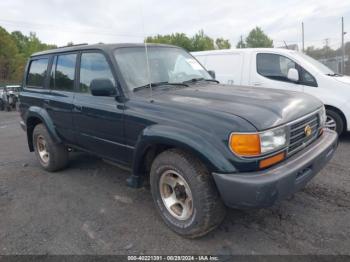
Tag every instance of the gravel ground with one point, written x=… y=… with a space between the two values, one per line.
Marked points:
x=88 y=209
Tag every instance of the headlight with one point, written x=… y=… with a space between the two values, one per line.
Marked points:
x=256 y=144
x=323 y=116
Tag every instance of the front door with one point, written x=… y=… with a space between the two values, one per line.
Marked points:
x=271 y=71
x=98 y=120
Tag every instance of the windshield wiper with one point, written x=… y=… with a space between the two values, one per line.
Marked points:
x=194 y=80
x=156 y=84
x=334 y=74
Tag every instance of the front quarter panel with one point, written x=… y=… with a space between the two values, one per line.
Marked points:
x=203 y=132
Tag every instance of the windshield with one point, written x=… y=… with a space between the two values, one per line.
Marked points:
x=167 y=64
x=321 y=67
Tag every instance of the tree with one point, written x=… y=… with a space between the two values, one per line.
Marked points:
x=15 y=48
x=257 y=38
x=222 y=43
x=8 y=56
x=198 y=42
x=178 y=39
x=201 y=42
x=241 y=44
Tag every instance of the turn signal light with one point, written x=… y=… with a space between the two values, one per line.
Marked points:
x=245 y=144
x=272 y=160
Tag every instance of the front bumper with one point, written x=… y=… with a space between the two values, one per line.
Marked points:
x=264 y=188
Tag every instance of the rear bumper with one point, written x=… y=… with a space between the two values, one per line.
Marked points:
x=264 y=188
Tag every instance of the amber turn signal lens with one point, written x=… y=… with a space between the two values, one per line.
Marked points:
x=272 y=160
x=245 y=144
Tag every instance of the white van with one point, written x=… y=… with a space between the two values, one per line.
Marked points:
x=283 y=69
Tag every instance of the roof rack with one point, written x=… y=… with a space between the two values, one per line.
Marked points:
x=73 y=45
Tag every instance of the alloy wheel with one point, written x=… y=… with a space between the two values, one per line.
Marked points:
x=42 y=149
x=176 y=195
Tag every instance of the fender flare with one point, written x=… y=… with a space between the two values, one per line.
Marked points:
x=35 y=112
x=195 y=142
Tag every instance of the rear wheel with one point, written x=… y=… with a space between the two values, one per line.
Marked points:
x=185 y=194
x=334 y=121
x=50 y=155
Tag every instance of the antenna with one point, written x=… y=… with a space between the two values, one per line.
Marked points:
x=146 y=50
x=285 y=44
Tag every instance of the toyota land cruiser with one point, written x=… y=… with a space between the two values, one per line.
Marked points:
x=201 y=145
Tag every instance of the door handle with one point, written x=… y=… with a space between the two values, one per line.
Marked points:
x=257 y=84
x=46 y=103
x=78 y=108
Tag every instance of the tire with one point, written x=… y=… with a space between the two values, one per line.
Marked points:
x=51 y=156
x=2 y=105
x=334 y=121
x=206 y=210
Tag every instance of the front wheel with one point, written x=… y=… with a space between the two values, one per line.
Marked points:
x=334 y=121
x=185 y=194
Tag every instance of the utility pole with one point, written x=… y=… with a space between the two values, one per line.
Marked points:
x=241 y=43
x=342 y=46
x=303 y=37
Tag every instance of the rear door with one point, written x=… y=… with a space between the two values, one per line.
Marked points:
x=60 y=103
x=98 y=120
x=271 y=70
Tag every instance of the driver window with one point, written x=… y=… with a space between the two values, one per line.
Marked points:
x=93 y=66
x=274 y=66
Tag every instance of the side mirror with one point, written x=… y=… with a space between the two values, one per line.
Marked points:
x=102 y=87
x=293 y=75
x=212 y=74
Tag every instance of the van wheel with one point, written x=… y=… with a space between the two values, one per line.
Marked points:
x=51 y=156
x=185 y=194
x=334 y=121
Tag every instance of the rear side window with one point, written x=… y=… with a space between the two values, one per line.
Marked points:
x=37 y=72
x=274 y=66
x=93 y=66
x=63 y=72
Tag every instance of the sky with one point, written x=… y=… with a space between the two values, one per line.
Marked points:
x=114 y=21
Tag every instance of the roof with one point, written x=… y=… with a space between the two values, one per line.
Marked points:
x=104 y=47
x=244 y=50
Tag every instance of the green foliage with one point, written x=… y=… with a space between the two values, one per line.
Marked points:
x=222 y=43
x=198 y=42
x=8 y=56
x=241 y=44
x=201 y=42
x=256 y=38
x=179 y=39
x=15 y=48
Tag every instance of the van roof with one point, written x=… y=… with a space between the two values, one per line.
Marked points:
x=245 y=50
x=100 y=46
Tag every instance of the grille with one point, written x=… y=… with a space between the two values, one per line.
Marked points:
x=298 y=139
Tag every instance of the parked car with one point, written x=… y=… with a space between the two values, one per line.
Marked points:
x=201 y=145
x=2 y=102
x=9 y=97
x=284 y=69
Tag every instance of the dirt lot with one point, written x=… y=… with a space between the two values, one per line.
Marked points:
x=88 y=209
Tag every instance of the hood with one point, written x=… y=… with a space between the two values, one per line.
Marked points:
x=262 y=107
x=342 y=79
